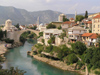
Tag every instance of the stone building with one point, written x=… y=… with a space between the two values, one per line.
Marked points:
x=49 y=32
x=74 y=33
x=96 y=24
x=8 y=26
x=60 y=18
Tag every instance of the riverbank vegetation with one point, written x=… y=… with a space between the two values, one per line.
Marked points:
x=78 y=54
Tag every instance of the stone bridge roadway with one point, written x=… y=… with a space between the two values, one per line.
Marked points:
x=15 y=35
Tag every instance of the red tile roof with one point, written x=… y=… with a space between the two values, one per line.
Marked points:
x=98 y=16
x=87 y=34
x=71 y=18
x=75 y=24
x=67 y=22
x=94 y=36
x=89 y=22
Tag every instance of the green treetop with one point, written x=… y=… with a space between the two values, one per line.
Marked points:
x=86 y=14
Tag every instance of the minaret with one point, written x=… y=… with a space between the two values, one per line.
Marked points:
x=75 y=14
x=38 y=21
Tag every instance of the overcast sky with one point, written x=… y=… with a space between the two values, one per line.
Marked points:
x=64 y=6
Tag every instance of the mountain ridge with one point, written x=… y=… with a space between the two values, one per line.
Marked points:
x=23 y=16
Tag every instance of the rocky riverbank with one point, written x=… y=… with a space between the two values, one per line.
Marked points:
x=57 y=64
x=5 y=46
x=3 y=50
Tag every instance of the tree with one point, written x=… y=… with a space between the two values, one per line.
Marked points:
x=17 y=26
x=86 y=14
x=65 y=19
x=51 y=26
x=34 y=28
x=1 y=34
x=79 y=18
x=41 y=34
x=43 y=41
x=59 y=27
x=63 y=51
x=79 y=48
x=49 y=41
x=71 y=58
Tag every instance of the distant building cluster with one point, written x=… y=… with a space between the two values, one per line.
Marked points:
x=85 y=31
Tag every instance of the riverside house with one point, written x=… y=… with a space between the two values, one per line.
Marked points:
x=89 y=39
x=49 y=32
x=74 y=33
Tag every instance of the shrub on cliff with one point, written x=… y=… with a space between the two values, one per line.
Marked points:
x=79 y=48
x=71 y=58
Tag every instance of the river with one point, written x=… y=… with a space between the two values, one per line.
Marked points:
x=18 y=57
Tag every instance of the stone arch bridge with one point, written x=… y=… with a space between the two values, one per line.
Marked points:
x=15 y=35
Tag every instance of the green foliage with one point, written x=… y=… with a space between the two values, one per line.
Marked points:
x=79 y=18
x=1 y=34
x=51 y=26
x=8 y=40
x=86 y=14
x=22 y=39
x=39 y=47
x=63 y=35
x=49 y=48
x=97 y=72
x=90 y=31
x=43 y=41
x=34 y=28
x=93 y=57
x=41 y=34
x=12 y=71
x=49 y=41
x=26 y=35
x=71 y=58
x=80 y=64
x=65 y=19
x=59 y=27
x=32 y=35
x=17 y=26
x=79 y=48
x=63 y=51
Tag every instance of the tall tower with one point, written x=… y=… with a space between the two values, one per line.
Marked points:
x=75 y=14
x=60 y=17
x=38 y=21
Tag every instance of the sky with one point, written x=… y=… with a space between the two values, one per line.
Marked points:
x=64 y=6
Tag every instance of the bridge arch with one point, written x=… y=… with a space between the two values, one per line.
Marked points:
x=16 y=34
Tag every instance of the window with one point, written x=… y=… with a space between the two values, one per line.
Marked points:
x=94 y=26
x=98 y=26
x=94 y=20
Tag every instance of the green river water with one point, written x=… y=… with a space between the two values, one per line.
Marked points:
x=18 y=57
